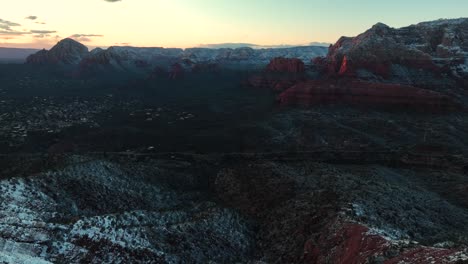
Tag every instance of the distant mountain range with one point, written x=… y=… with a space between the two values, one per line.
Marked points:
x=427 y=54
x=15 y=54
x=209 y=51
x=71 y=53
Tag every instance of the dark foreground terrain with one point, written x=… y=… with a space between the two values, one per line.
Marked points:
x=229 y=209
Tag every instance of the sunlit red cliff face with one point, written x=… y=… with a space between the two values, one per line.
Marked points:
x=426 y=54
x=419 y=67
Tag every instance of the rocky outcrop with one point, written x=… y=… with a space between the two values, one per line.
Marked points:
x=280 y=74
x=385 y=67
x=40 y=57
x=437 y=48
x=360 y=93
x=336 y=214
x=354 y=243
x=67 y=52
x=286 y=65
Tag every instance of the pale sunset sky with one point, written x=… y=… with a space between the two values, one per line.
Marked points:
x=189 y=23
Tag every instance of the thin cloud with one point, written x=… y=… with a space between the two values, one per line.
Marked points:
x=86 y=35
x=6 y=29
x=112 y=1
x=35 y=43
x=42 y=35
x=13 y=33
x=31 y=17
x=6 y=37
x=40 y=23
x=244 y=45
x=227 y=45
x=43 y=31
x=6 y=25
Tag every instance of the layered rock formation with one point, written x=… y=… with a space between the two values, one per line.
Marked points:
x=383 y=67
x=419 y=54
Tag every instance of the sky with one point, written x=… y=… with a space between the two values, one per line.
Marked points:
x=191 y=23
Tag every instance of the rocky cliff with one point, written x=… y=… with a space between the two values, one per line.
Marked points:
x=422 y=54
x=422 y=66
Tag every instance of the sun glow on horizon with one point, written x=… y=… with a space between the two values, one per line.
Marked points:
x=187 y=23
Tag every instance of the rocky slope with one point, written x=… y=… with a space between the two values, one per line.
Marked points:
x=65 y=52
x=422 y=66
x=165 y=211
x=319 y=213
x=427 y=54
x=100 y=212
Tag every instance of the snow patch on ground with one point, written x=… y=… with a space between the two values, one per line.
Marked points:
x=84 y=211
x=20 y=259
